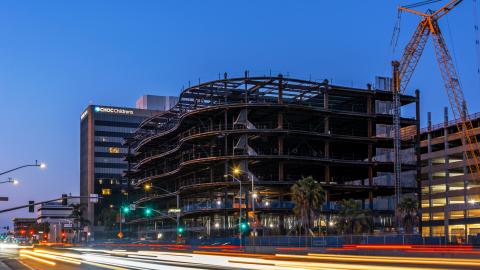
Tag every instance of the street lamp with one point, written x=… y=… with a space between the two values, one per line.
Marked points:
x=41 y=165
x=10 y=180
x=240 y=206
x=237 y=171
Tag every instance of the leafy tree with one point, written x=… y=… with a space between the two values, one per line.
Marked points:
x=352 y=218
x=407 y=212
x=308 y=197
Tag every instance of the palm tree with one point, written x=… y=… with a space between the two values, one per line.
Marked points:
x=78 y=216
x=352 y=218
x=407 y=212
x=308 y=197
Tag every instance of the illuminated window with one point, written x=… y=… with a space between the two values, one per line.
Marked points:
x=456 y=214
x=425 y=204
x=425 y=231
x=456 y=230
x=100 y=181
x=425 y=217
x=114 y=150
x=438 y=231
x=438 y=216
x=438 y=202
x=474 y=213
x=106 y=191
x=438 y=189
x=473 y=229
x=457 y=200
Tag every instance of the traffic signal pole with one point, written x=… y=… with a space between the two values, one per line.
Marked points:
x=53 y=200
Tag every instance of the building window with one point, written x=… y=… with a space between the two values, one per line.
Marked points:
x=425 y=204
x=457 y=200
x=438 y=202
x=474 y=213
x=438 y=231
x=438 y=216
x=456 y=214
x=114 y=150
x=106 y=191
x=100 y=181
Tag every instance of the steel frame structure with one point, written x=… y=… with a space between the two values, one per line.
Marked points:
x=276 y=130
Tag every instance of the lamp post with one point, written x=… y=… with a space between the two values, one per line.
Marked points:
x=41 y=165
x=147 y=187
x=10 y=180
x=240 y=206
x=237 y=171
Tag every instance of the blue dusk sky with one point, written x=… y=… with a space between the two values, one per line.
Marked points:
x=56 y=57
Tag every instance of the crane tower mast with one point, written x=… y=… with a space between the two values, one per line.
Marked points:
x=403 y=71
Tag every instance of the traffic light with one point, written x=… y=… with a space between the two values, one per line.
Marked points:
x=148 y=211
x=180 y=230
x=244 y=226
x=125 y=209
x=63 y=235
x=31 y=206
x=31 y=232
x=64 y=199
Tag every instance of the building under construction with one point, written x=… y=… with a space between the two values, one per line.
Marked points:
x=450 y=192
x=265 y=133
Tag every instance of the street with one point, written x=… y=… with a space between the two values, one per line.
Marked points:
x=87 y=258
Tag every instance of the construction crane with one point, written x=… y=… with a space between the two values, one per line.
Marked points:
x=403 y=71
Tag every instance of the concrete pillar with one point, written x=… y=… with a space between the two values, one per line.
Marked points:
x=466 y=172
x=418 y=156
x=447 y=174
x=430 y=175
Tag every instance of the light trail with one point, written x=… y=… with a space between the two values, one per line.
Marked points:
x=389 y=259
x=160 y=260
x=37 y=259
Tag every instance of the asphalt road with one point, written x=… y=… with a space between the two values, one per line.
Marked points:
x=77 y=258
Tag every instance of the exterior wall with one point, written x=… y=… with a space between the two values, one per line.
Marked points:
x=274 y=135
x=450 y=199
x=54 y=213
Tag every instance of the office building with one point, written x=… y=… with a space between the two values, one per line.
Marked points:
x=450 y=192
x=102 y=131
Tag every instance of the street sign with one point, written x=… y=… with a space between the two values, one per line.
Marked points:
x=68 y=225
x=94 y=198
x=3 y=199
x=174 y=210
x=132 y=207
x=120 y=235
